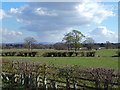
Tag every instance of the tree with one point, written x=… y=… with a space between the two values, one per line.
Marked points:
x=72 y=39
x=76 y=45
x=108 y=45
x=60 y=46
x=96 y=47
x=90 y=43
x=3 y=46
x=29 y=41
x=68 y=39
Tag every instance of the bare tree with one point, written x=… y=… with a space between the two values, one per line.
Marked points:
x=29 y=41
x=108 y=45
x=90 y=43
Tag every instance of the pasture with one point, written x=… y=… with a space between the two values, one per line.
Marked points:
x=107 y=62
x=61 y=72
x=106 y=58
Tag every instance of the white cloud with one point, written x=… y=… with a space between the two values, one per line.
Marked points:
x=60 y=0
x=15 y=10
x=4 y=31
x=54 y=36
x=42 y=11
x=93 y=12
x=9 y=36
x=42 y=17
x=103 y=34
x=19 y=20
x=3 y=14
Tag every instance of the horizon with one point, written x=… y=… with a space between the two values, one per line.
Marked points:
x=48 y=43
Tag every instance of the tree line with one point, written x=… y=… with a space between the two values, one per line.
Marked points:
x=70 y=41
x=58 y=46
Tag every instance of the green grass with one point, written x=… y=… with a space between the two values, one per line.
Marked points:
x=106 y=52
x=40 y=51
x=101 y=52
x=108 y=62
x=88 y=62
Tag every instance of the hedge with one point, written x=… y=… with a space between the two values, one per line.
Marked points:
x=49 y=54
x=22 y=53
x=69 y=54
x=118 y=53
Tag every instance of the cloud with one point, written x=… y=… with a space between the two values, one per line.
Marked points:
x=4 y=31
x=9 y=36
x=44 y=17
x=103 y=34
x=64 y=0
x=19 y=20
x=42 y=11
x=93 y=12
x=3 y=14
x=15 y=10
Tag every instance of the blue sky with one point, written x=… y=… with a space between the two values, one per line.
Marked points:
x=49 y=21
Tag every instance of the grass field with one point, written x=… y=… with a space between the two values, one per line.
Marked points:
x=101 y=52
x=106 y=52
x=107 y=61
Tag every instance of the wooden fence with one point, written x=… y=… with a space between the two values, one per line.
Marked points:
x=40 y=75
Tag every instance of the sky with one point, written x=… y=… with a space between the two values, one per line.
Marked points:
x=50 y=21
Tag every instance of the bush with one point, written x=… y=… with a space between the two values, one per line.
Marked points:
x=90 y=54
x=82 y=54
x=25 y=54
x=118 y=53
x=8 y=53
x=68 y=54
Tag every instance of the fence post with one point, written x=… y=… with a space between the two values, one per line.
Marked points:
x=97 y=86
x=75 y=86
x=4 y=77
x=106 y=85
x=31 y=80
x=21 y=79
x=16 y=79
x=67 y=83
x=26 y=81
x=44 y=83
x=54 y=85
x=35 y=81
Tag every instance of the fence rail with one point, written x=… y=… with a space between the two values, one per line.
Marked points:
x=39 y=75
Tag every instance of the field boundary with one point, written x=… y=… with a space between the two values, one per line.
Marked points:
x=36 y=75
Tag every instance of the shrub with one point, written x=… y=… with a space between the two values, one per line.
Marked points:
x=8 y=53
x=69 y=54
x=34 y=54
x=82 y=54
x=90 y=54
x=64 y=54
x=20 y=54
x=25 y=54
x=118 y=53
